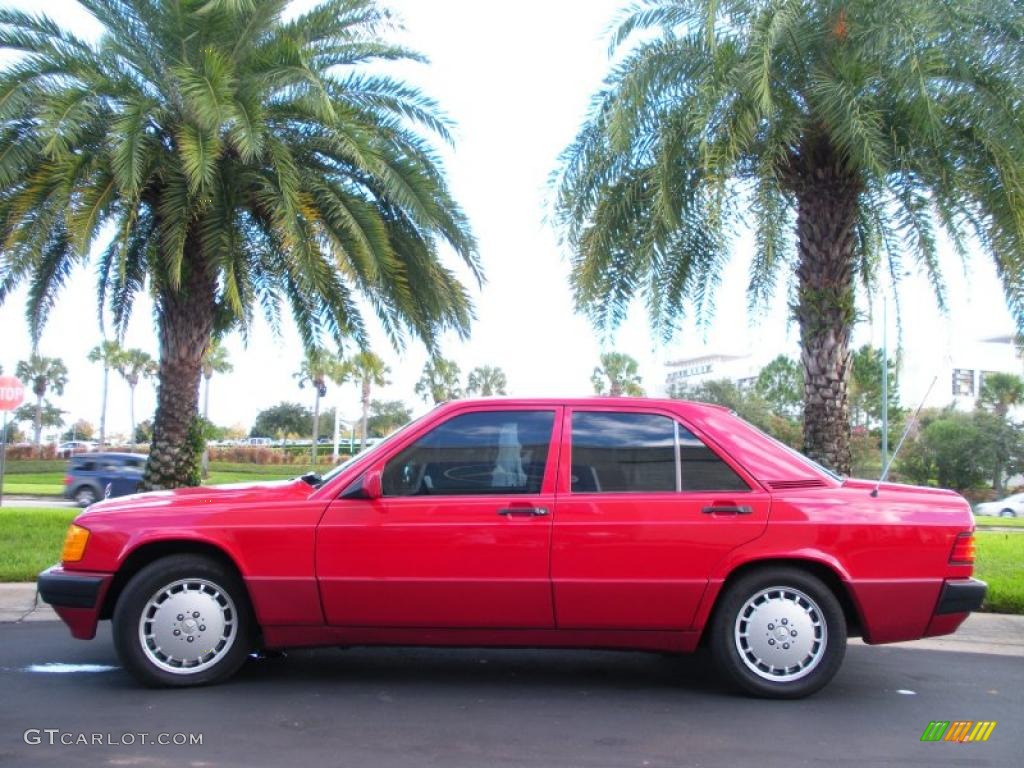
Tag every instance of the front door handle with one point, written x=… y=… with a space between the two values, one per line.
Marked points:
x=728 y=509
x=523 y=511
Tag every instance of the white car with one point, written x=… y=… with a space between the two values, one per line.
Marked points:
x=1011 y=506
x=73 y=447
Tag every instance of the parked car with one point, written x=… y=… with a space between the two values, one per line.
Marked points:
x=1011 y=506
x=95 y=476
x=72 y=447
x=656 y=525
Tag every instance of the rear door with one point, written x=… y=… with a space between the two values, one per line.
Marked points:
x=646 y=507
x=461 y=536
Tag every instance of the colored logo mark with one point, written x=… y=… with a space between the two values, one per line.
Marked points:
x=959 y=731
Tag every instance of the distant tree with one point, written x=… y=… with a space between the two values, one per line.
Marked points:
x=215 y=360
x=439 y=382
x=43 y=374
x=282 y=420
x=43 y=415
x=748 y=405
x=950 y=451
x=80 y=430
x=386 y=416
x=107 y=353
x=235 y=432
x=781 y=385
x=135 y=365
x=617 y=375
x=865 y=388
x=12 y=434
x=143 y=432
x=319 y=367
x=999 y=393
x=367 y=370
x=486 y=380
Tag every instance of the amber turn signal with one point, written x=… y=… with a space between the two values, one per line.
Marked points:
x=963 y=550
x=74 y=544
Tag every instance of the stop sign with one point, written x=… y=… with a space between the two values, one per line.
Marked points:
x=12 y=393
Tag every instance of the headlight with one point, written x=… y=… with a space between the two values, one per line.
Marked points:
x=74 y=544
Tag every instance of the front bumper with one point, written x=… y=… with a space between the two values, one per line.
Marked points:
x=76 y=597
x=961 y=596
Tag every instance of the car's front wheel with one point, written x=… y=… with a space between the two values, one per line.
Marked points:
x=779 y=633
x=183 y=620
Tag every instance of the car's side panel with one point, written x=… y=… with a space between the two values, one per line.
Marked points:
x=641 y=560
x=890 y=552
x=439 y=561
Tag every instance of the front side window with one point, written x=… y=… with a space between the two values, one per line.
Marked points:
x=486 y=452
x=642 y=452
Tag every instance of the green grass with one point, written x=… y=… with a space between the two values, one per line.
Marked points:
x=1000 y=562
x=30 y=540
x=1005 y=522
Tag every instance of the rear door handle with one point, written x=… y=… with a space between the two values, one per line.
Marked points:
x=728 y=509
x=523 y=511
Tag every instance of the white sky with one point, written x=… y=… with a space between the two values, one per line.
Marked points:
x=516 y=78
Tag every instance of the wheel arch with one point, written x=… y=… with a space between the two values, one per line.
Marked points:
x=826 y=572
x=151 y=551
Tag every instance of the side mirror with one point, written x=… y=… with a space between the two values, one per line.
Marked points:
x=372 y=485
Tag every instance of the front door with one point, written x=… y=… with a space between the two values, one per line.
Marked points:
x=645 y=511
x=461 y=536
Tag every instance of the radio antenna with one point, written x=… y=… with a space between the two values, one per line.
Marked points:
x=903 y=437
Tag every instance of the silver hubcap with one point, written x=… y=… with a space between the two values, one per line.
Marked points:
x=781 y=634
x=188 y=626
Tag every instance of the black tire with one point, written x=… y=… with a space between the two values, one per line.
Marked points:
x=85 y=496
x=734 y=662
x=1007 y=513
x=145 y=585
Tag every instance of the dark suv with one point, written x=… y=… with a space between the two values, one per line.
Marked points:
x=98 y=475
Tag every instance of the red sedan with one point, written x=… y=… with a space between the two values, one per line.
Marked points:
x=591 y=523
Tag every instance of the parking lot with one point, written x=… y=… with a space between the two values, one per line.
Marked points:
x=473 y=708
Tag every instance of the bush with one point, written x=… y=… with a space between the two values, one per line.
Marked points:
x=17 y=452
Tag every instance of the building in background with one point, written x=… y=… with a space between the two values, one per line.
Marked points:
x=968 y=366
x=742 y=370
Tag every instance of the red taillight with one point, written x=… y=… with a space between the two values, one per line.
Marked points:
x=67 y=479
x=963 y=550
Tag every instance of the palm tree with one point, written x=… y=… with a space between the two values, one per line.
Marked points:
x=617 y=375
x=107 y=352
x=215 y=360
x=318 y=367
x=440 y=381
x=243 y=156
x=368 y=370
x=43 y=374
x=135 y=365
x=853 y=130
x=1000 y=392
x=486 y=380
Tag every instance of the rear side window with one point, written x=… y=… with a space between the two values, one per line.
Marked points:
x=642 y=452
x=83 y=466
x=488 y=452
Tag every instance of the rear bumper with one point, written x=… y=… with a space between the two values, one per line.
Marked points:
x=76 y=597
x=961 y=596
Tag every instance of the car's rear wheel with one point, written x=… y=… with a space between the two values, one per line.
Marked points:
x=1007 y=513
x=85 y=496
x=183 y=620
x=779 y=633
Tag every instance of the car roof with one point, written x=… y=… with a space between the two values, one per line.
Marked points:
x=601 y=400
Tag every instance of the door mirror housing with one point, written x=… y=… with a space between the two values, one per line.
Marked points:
x=368 y=486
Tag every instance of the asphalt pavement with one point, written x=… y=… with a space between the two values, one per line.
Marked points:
x=476 y=708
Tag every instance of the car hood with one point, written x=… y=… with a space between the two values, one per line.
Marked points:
x=234 y=493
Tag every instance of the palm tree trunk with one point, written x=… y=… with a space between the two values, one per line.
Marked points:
x=131 y=409
x=103 y=407
x=826 y=218
x=316 y=422
x=185 y=324
x=37 y=425
x=366 y=410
